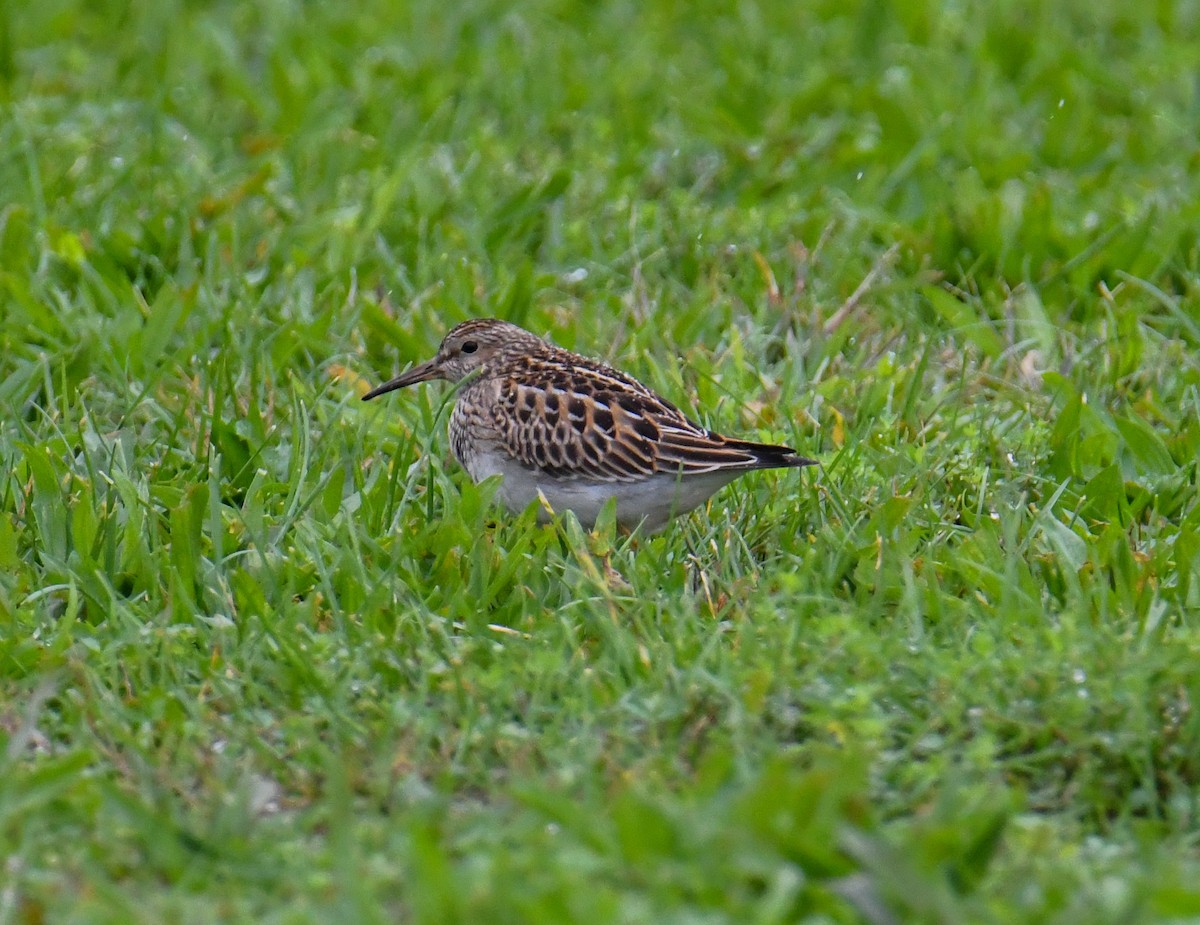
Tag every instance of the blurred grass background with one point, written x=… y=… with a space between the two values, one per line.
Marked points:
x=266 y=656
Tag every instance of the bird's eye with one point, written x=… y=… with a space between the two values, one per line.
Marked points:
x=469 y=346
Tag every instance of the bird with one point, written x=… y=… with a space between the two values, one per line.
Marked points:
x=573 y=433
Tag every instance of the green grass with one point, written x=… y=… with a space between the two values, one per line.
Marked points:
x=266 y=656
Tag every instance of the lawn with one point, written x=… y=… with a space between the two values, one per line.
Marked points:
x=266 y=656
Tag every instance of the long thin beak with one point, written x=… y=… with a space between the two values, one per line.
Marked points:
x=420 y=373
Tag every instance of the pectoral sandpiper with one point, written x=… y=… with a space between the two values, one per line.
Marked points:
x=576 y=432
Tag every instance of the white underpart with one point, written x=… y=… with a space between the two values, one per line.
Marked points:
x=651 y=502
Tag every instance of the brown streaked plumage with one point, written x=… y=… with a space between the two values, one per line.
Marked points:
x=577 y=432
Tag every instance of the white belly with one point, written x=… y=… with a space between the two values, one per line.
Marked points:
x=651 y=502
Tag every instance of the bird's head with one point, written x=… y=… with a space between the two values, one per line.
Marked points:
x=468 y=347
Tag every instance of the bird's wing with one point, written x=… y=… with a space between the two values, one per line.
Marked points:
x=589 y=421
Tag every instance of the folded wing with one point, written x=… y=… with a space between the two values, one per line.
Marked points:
x=596 y=423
